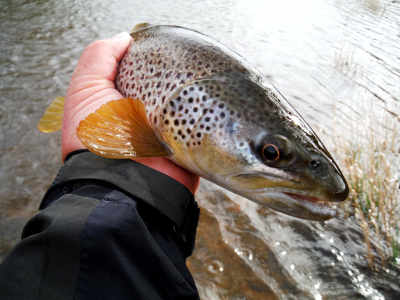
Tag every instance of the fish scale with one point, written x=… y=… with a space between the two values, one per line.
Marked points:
x=162 y=59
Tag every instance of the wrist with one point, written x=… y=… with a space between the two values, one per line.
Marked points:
x=167 y=167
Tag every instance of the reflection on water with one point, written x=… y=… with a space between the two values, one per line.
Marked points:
x=296 y=259
x=337 y=61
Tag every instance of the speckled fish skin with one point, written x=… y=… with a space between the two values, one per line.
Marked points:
x=214 y=114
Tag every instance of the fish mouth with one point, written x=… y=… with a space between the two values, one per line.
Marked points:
x=289 y=195
x=303 y=204
x=305 y=197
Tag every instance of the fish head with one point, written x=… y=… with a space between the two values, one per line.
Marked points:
x=289 y=174
x=248 y=139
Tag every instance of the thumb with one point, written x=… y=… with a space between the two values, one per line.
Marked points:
x=101 y=57
x=91 y=85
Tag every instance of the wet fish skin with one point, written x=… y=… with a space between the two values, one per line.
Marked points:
x=215 y=115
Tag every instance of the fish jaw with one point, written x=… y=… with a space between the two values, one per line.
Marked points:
x=297 y=203
x=283 y=192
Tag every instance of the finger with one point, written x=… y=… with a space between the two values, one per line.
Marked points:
x=92 y=85
x=101 y=58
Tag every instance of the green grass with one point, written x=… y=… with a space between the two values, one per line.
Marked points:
x=370 y=167
x=396 y=248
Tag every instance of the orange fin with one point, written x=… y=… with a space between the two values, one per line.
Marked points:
x=119 y=129
x=52 y=118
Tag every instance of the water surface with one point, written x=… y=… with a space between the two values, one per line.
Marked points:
x=337 y=62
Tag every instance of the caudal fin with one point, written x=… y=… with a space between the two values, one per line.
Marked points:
x=52 y=118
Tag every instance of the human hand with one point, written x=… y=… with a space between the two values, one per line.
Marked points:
x=91 y=86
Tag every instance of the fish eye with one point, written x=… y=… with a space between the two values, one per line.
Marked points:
x=314 y=164
x=270 y=152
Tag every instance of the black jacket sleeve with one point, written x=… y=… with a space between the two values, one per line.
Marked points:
x=106 y=229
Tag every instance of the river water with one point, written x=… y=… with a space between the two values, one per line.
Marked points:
x=337 y=62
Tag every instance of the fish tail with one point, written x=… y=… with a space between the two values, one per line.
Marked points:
x=53 y=116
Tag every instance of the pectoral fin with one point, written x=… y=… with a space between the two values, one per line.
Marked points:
x=119 y=129
x=52 y=118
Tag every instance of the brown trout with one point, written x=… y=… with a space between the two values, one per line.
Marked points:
x=193 y=100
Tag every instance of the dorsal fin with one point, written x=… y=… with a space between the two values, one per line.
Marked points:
x=140 y=26
x=119 y=129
